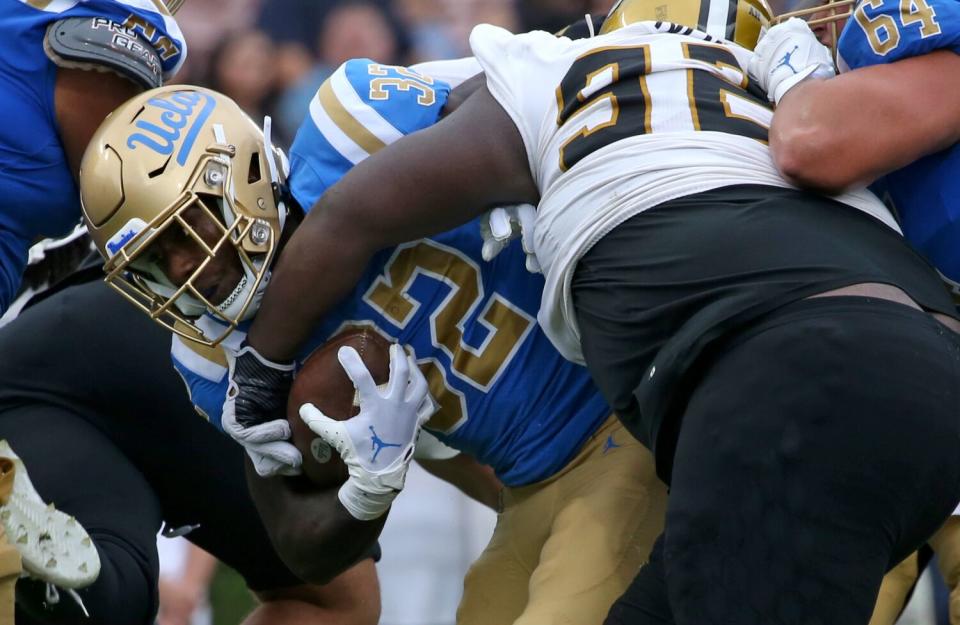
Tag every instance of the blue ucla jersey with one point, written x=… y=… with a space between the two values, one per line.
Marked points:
x=38 y=190
x=926 y=193
x=505 y=394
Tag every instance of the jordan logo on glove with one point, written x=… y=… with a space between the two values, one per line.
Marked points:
x=377 y=444
x=785 y=61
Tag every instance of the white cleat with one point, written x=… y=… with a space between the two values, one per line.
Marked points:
x=54 y=547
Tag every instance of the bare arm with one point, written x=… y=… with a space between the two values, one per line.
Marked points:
x=463 y=91
x=200 y=567
x=180 y=595
x=474 y=480
x=833 y=134
x=351 y=598
x=894 y=589
x=425 y=183
x=311 y=531
x=83 y=99
x=946 y=543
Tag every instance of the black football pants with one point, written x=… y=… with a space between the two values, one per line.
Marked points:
x=818 y=449
x=90 y=401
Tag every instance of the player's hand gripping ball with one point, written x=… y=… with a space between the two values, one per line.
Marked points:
x=323 y=382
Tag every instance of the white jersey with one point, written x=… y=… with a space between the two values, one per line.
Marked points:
x=620 y=123
x=453 y=72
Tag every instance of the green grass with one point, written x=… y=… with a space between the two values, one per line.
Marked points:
x=229 y=597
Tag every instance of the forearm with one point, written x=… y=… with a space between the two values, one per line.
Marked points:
x=833 y=134
x=425 y=183
x=199 y=568
x=328 y=253
x=893 y=592
x=352 y=598
x=319 y=266
x=475 y=480
x=82 y=100
x=946 y=543
x=311 y=531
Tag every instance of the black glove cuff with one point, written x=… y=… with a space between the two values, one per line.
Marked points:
x=262 y=389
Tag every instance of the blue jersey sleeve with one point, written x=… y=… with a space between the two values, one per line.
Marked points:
x=884 y=31
x=361 y=108
x=204 y=371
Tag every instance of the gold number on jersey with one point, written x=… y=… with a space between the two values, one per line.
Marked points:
x=919 y=12
x=881 y=30
x=380 y=87
x=451 y=404
x=599 y=89
x=606 y=89
x=164 y=45
x=507 y=325
x=720 y=100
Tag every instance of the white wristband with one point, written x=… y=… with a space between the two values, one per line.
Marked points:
x=366 y=504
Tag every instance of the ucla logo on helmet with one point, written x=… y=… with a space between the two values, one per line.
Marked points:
x=172 y=122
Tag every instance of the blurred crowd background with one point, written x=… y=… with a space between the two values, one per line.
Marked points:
x=270 y=56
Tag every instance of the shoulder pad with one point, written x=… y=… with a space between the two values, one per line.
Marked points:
x=100 y=43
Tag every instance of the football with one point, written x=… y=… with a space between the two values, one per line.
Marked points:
x=323 y=382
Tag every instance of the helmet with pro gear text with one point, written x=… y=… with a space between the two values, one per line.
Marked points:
x=741 y=21
x=166 y=152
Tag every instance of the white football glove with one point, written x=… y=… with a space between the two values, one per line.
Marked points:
x=786 y=55
x=265 y=443
x=378 y=443
x=499 y=226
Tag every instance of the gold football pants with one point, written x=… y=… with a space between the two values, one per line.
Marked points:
x=566 y=548
x=9 y=557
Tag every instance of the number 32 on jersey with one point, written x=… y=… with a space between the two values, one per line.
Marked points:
x=614 y=95
x=478 y=365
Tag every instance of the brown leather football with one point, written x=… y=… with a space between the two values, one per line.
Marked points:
x=323 y=382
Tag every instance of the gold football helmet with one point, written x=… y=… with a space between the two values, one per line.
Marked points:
x=168 y=151
x=743 y=25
